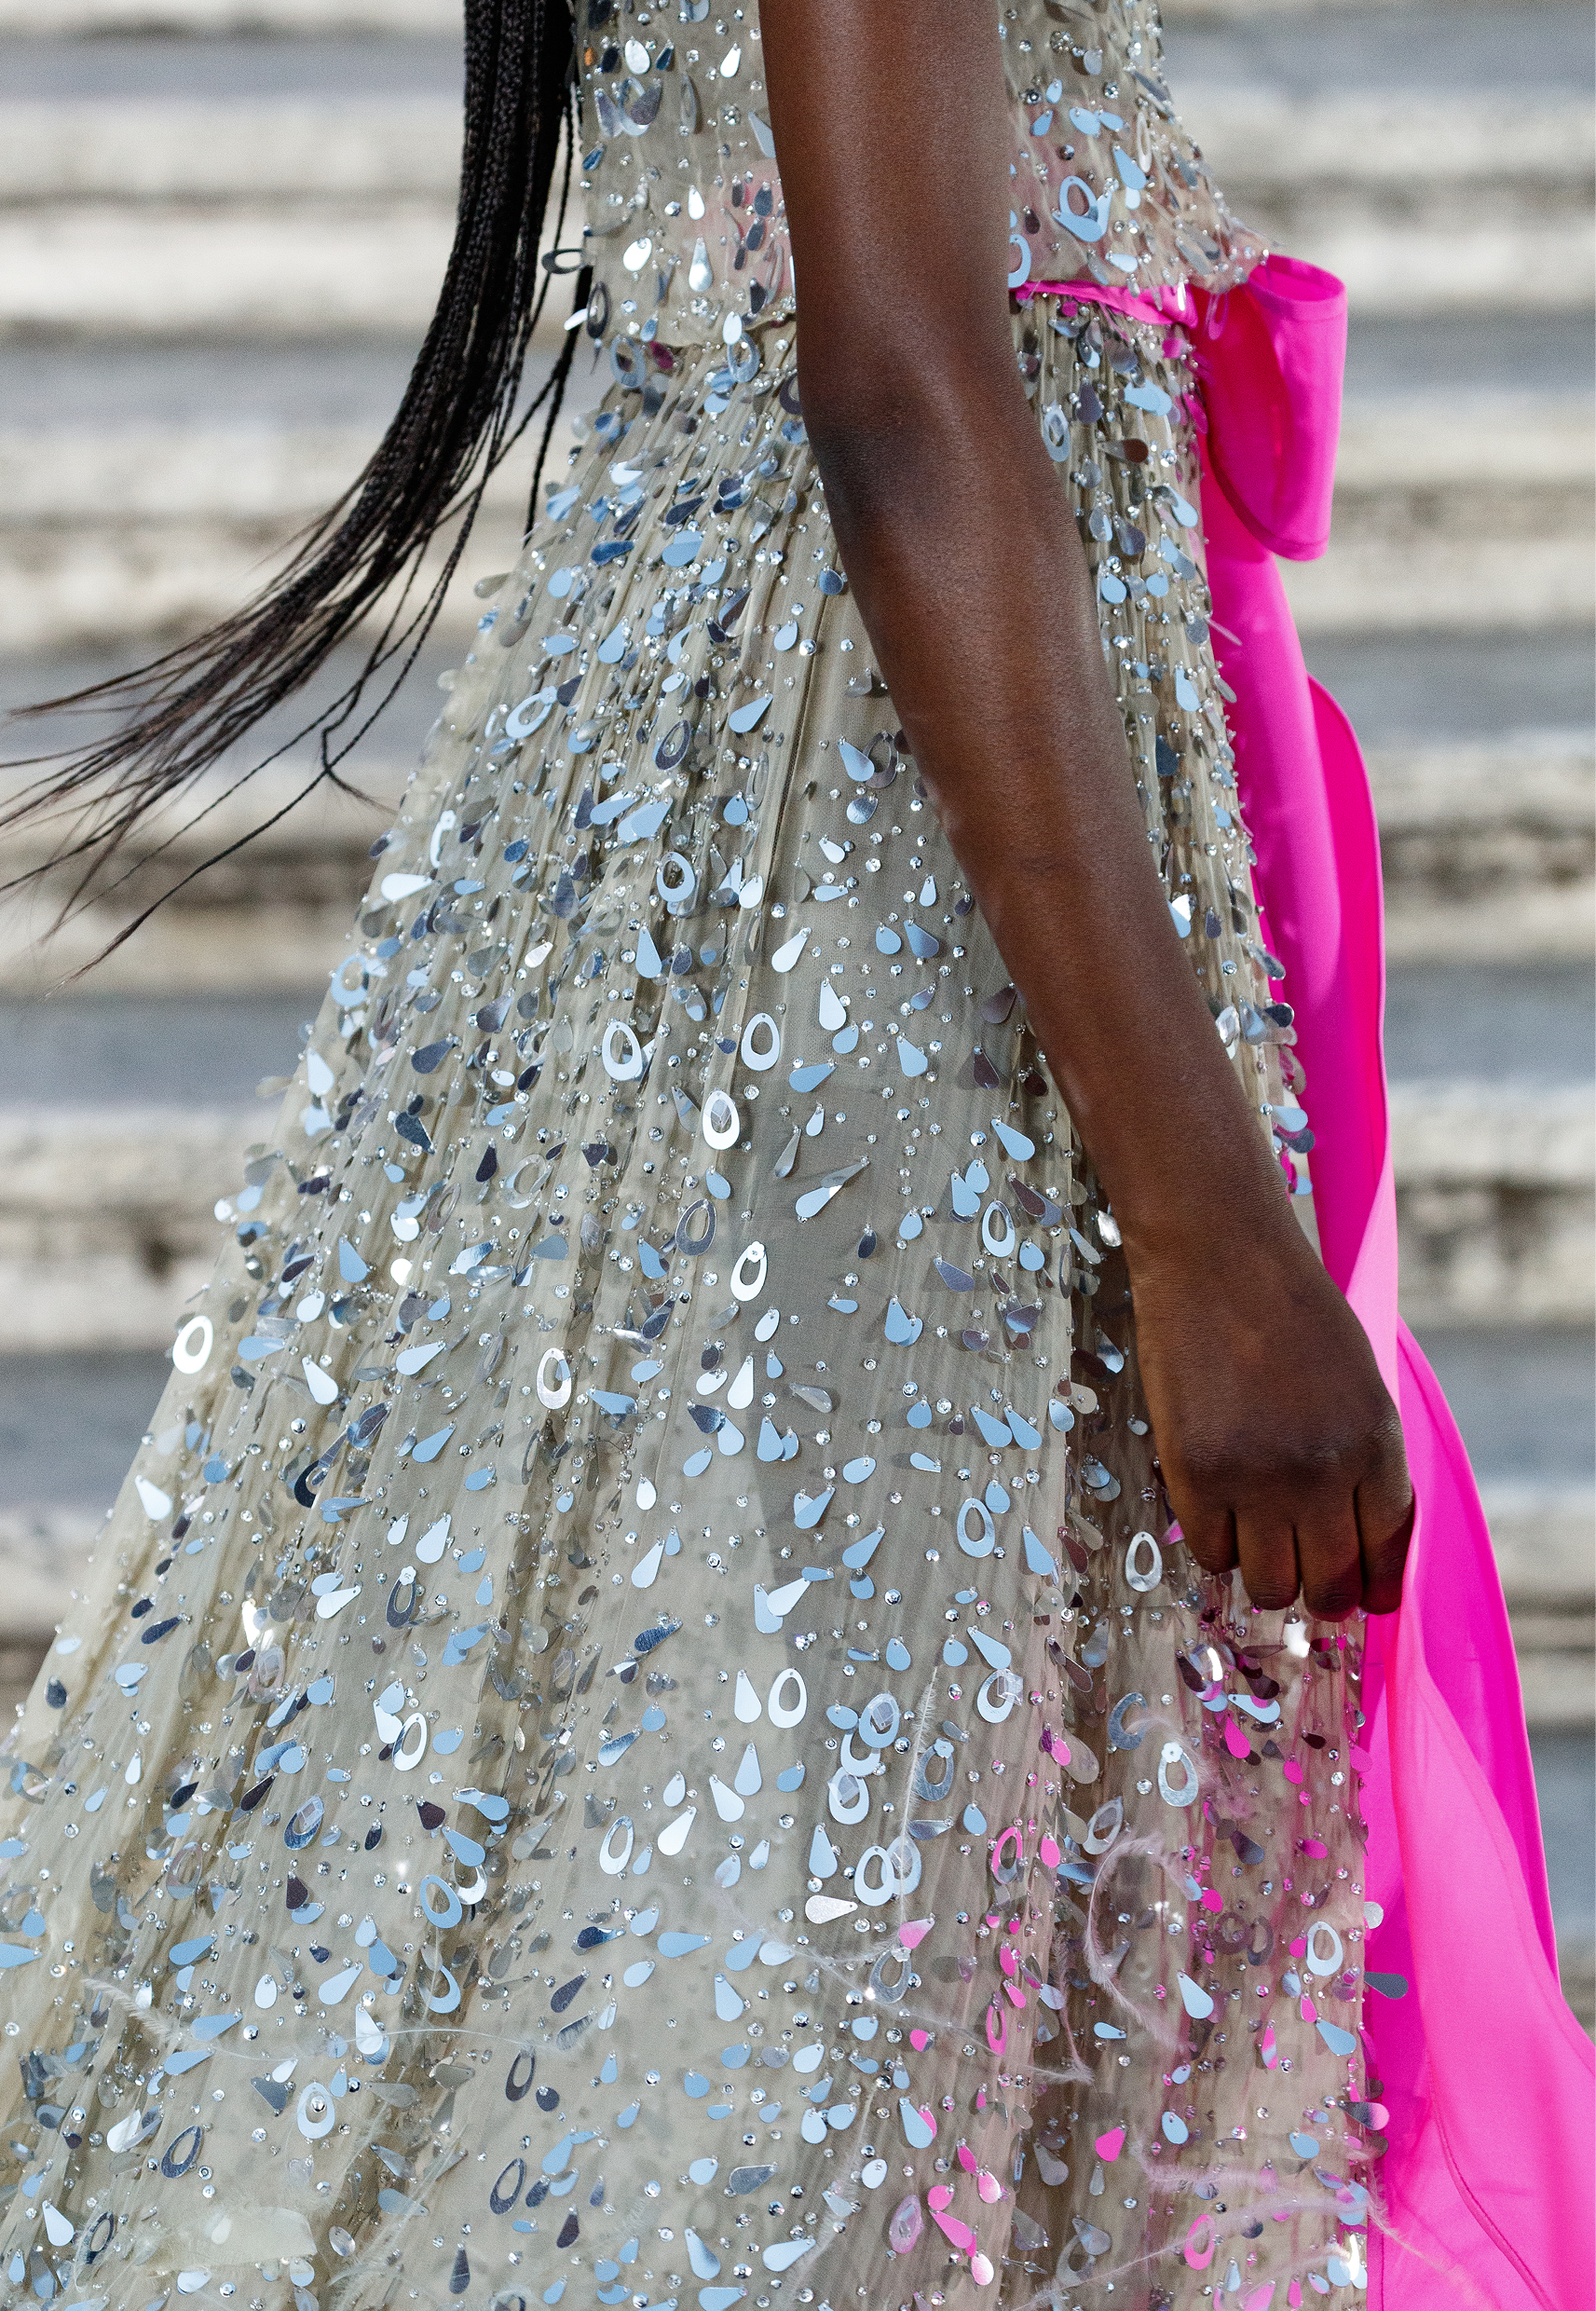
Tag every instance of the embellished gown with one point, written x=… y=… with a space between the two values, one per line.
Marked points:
x=637 y=1733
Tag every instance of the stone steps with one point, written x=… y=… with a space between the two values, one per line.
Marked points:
x=297 y=193
x=333 y=116
x=103 y=269
x=184 y=205
x=1263 y=144
x=1488 y=849
x=216 y=253
x=209 y=20
x=1494 y=1202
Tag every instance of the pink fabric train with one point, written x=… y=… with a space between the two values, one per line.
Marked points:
x=1486 y=2194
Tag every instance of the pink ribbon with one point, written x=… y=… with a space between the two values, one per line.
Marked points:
x=1486 y=2192
x=1170 y=301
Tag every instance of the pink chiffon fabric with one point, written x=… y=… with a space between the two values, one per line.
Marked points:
x=1486 y=2193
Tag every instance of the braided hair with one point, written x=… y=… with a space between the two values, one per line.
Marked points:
x=459 y=419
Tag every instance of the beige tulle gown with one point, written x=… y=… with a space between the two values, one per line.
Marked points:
x=637 y=1733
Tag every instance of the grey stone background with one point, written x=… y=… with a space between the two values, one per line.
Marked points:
x=222 y=223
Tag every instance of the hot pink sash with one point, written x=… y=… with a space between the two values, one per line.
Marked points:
x=1486 y=2193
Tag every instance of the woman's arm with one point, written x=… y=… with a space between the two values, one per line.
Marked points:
x=1278 y=1442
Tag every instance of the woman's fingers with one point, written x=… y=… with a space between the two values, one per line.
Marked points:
x=1385 y=1512
x=1210 y=1534
x=1337 y=1549
x=1329 y=1556
x=1267 y=1548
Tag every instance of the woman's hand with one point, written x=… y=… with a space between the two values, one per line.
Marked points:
x=1280 y=1448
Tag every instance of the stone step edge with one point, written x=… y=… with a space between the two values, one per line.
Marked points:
x=1522 y=925
x=1545 y=1538
x=1261 y=141
x=1559 y=1690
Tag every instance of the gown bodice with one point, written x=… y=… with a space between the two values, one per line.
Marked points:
x=686 y=225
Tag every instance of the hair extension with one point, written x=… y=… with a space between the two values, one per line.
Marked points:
x=456 y=424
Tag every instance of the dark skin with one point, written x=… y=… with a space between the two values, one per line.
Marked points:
x=1279 y=1445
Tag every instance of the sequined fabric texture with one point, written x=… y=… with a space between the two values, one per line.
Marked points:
x=639 y=1734
x=686 y=225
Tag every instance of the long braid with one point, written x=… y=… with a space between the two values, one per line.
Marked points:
x=455 y=426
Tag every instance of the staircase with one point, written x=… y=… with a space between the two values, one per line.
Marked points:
x=222 y=223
